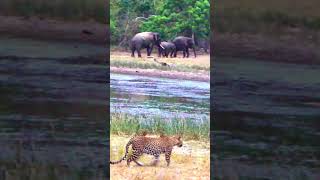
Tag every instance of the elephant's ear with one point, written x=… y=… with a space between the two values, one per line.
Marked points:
x=155 y=38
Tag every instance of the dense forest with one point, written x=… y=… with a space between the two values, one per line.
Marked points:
x=169 y=18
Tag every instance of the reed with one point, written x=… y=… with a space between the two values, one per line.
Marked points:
x=125 y=124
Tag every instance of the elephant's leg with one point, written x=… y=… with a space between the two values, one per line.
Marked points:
x=184 y=53
x=150 y=50
x=187 y=51
x=139 y=53
x=194 y=51
x=171 y=54
x=175 y=53
x=167 y=53
x=132 y=52
x=159 y=52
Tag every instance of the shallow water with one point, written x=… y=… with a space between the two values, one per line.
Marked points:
x=53 y=109
x=266 y=113
x=165 y=98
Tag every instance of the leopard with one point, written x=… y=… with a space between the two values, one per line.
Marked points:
x=141 y=144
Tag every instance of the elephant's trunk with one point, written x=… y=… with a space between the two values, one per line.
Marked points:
x=194 y=51
x=194 y=45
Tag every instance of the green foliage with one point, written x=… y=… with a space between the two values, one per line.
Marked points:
x=169 y=18
x=182 y=17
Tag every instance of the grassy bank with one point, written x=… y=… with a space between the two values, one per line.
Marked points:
x=61 y=9
x=125 y=124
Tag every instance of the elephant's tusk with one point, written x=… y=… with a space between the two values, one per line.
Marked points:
x=162 y=46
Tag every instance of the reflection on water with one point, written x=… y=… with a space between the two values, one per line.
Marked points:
x=167 y=98
x=53 y=111
x=266 y=119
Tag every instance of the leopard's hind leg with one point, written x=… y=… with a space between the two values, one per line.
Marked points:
x=134 y=157
x=138 y=163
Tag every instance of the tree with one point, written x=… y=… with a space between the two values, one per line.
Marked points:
x=180 y=17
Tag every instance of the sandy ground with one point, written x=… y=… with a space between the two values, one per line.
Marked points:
x=188 y=162
x=201 y=61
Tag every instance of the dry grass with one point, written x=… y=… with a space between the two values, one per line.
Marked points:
x=192 y=161
x=124 y=59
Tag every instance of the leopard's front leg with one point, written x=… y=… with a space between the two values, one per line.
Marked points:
x=168 y=155
x=156 y=160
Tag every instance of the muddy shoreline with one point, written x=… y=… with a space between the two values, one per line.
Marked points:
x=161 y=74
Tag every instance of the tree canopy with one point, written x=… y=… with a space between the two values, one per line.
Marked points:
x=169 y=18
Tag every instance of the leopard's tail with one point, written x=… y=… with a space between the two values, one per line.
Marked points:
x=125 y=155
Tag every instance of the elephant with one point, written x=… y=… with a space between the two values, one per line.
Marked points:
x=166 y=48
x=204 y=44
x=144 y=40
x=183 y=43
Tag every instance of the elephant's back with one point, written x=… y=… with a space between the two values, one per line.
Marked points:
x=181 y=38
x=143 y=37
x=142 y=34
x=167 y=44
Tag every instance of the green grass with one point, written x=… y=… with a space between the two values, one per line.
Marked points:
x=125 y=124
x=61 y=9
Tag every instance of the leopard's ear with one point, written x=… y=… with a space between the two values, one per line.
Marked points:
x=144 y=133
x=162 y=134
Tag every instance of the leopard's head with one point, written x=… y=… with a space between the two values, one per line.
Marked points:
x=177 y=140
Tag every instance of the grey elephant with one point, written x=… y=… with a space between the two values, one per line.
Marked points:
x=204 y=44
x=183 y=43
x=166 y=48
x=144 y=40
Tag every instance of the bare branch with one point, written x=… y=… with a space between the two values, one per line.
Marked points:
x=143 y=18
